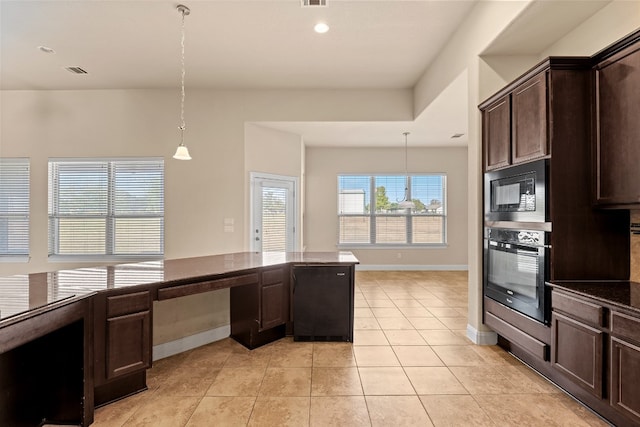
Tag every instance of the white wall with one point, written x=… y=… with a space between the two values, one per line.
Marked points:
x=611 y=23
x=325 y=164
x=483 y=25
x=275 y=152
x=199 y=194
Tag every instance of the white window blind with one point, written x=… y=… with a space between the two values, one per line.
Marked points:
x=368 y=211
x=111 y=208
x=14 y=207
x=274 y=219
x=14 y=298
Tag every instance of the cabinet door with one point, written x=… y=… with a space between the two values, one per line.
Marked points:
x=128 y=344
x=625 y=388
x=577 y=352
x=274 y=301
x=496 y=134
x=529 y=120
x=618 y=128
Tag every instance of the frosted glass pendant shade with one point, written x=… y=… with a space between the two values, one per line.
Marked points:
x=406 y=204
x=182 y=153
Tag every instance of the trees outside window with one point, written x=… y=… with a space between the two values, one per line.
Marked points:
x=369 y=212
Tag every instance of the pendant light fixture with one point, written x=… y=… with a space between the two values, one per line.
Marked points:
x=182 y=153
x=406 y=203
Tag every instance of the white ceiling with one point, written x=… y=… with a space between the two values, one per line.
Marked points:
x=231 y=44
x=265 y=44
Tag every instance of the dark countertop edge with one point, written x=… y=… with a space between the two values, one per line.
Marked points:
x=565 y=285
x=36 y=311
x=312 y=258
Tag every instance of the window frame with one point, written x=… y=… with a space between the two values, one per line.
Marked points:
x=110 y=216
x=373 y=215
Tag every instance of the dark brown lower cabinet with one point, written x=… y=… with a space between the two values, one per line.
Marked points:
x=260 y=310
x=595 y=355
x=577 y=351
x=625 y=364
x=625 y=384
x=274 y=298
x=128 y=345
x=45 y=365
x=123 y=344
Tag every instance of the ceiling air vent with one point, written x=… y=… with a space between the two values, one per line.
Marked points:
x=75 y=70
x=310 y=3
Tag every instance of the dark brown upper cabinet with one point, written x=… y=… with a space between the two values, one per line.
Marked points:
x=617 y=125
x=496 y=132
x=547 y=113
x=529 y=126
x=515 y=121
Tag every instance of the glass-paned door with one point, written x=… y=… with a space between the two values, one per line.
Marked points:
x=273 y=213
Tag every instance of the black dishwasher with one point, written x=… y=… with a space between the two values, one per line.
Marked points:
x=323 y=302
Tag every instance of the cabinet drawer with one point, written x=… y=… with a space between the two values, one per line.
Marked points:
x=577 y=308
x=206 y=286
x=518 y=337
x=129 y=303
x=623 y=325
x=270 y=277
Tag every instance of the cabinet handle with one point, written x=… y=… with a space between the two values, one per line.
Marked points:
x=341 y=274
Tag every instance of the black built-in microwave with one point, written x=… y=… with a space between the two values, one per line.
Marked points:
x=517 y=193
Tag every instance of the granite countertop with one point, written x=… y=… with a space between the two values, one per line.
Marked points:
x=622 y=294
x=24 y=292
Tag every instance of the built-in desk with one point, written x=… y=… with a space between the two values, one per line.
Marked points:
x=71 y=340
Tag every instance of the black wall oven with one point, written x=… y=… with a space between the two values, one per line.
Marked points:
x=515 y=269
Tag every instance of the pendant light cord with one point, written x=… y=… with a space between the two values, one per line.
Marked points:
x=406 y=168
x=182 y=124
x=406 y=155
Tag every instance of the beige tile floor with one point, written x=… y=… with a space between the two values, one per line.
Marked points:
x=410 y=365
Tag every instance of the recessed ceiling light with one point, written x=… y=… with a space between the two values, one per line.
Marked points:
x=46 y=49
x=321 y=28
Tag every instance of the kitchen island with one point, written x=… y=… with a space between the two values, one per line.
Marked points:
x=95 y=324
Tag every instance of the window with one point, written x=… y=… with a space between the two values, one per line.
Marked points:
x=368 y=212
x=14 y=208
x=106 y=208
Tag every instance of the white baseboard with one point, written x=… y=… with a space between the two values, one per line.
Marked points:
x=481 y=337
x=181 y=345
x=419 y=267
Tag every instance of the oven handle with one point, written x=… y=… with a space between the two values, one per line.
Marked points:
x=509 y=245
